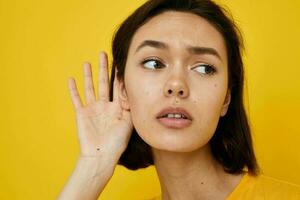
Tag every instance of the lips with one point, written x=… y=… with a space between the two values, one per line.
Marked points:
x=170 y=110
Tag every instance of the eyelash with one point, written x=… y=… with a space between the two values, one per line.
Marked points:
x=211 y=67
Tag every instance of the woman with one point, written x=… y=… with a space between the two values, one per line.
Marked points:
x=175 y=101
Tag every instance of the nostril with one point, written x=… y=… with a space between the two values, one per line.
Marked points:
x=169 y=91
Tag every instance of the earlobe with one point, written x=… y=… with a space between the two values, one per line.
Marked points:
x=123 y=96
x=226 y=103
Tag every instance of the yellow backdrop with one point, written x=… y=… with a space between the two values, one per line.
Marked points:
x=42 y=43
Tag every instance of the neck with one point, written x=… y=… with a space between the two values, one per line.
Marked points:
x=192 y=175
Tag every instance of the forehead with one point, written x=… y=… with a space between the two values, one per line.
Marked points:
x=179 y=29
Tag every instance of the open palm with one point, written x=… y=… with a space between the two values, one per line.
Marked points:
x=103 y=125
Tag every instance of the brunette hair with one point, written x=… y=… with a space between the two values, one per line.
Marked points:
x=231 y=143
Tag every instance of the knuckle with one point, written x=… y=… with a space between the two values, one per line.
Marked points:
x=75 y=94
x=103 y=80
x=89 y=87
x=102 y=97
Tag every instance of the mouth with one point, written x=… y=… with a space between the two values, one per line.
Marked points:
x=174 y=117
x=174 y=112
x=174 y=123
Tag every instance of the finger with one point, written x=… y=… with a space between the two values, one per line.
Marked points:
x=88 y=84
x=77 y=103
x=116 y=87
x=103 y=89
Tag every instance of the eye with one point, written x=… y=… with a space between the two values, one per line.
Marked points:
x=151 y=63
x=206 y=69
x=156 y=64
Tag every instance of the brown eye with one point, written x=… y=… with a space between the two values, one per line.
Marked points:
x=151 y=63
x=206 y=69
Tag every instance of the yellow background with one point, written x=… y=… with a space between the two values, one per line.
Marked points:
x=42 y=43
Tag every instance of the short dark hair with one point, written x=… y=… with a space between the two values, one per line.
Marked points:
x=231 y=144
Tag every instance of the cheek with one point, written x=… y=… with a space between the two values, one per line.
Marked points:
x=208 y=102
x=142 y=98
x=208 y=96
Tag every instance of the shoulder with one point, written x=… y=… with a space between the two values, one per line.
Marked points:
x=261 y=187
x=156 y=198
x=274 y=188
x=266 y=188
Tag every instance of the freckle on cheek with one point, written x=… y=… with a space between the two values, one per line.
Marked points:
x=215 y=85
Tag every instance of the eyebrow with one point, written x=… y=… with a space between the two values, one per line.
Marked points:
x=191 y=49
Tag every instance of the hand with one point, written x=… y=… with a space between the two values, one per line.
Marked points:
x=104 y=127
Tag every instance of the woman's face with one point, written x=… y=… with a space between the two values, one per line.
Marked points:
x=179 y=78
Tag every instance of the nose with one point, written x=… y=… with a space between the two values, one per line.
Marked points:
x=176 y=87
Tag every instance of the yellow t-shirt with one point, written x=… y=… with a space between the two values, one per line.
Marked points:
x=261 y=187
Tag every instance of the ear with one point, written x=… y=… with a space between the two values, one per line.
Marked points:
x=123 y=96
x=226 y=103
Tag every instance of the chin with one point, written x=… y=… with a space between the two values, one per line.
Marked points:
x=174 y=146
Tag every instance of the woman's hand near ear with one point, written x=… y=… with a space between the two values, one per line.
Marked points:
x=103 y=130
x=103 y=126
